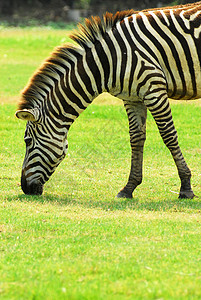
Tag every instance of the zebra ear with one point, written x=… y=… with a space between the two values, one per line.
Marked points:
x=28 y=114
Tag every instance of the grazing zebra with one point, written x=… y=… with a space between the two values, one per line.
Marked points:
x=141 y=57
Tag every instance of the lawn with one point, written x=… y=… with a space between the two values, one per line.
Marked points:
x=78 y=241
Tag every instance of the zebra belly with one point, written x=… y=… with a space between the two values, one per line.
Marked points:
x=125 y=96
x=187 y=96
x=186 y=89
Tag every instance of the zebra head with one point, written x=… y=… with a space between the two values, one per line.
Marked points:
x=45 y=149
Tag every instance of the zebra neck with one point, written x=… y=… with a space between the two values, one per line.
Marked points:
x=76 y=81
x=77 y=87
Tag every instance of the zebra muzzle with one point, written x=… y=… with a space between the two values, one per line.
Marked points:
x=33 y=188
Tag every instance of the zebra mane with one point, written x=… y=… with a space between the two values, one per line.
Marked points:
x=86 y=36
x=95 y=27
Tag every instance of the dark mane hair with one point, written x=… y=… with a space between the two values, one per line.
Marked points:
x=87 y=35
x=95 y=27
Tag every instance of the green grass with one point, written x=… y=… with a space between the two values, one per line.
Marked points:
x=78 y=241
x=30 y=45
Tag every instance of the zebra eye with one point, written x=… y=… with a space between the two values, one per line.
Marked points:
x=28 y=141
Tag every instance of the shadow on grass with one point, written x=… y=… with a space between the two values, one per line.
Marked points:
x=170 y=205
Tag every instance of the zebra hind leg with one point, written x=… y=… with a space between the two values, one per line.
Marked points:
x=163 y=118
x=137 y=114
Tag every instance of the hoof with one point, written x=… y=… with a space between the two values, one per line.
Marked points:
x=186 y=194
x=124 y=194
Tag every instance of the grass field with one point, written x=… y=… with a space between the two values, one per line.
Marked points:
x=78 y=241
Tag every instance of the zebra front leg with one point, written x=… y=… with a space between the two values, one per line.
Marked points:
x=137 y=114
x=161 y=112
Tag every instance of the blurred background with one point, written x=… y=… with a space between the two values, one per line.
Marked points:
x=40 y=12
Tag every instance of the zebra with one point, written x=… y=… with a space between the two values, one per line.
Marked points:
x=142 y=57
